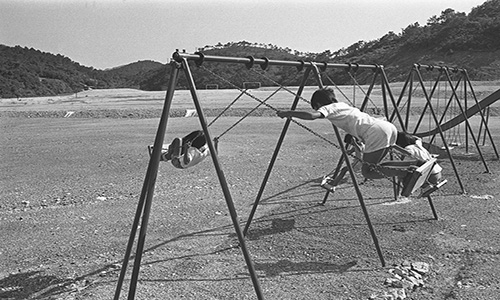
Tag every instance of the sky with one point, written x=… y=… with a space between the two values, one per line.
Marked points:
x=109 y=33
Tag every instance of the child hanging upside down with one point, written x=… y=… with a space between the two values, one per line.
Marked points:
x=376 y=134
x=187 y=151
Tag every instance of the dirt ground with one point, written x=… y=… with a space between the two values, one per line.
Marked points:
x=70 y=187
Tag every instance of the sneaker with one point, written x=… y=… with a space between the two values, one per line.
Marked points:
x=174 y=150
x=326 y=183
x=165 y=153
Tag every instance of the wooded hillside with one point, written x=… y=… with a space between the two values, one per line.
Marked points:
x=470 y=41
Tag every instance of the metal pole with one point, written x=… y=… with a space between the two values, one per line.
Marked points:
x=396 y=108
x=200 y=58
x=441 y=133
x=140 y=205
x=385 y=83
x=335 y=174
x=427 y=96
x=370 y=89
x=410 y=94
x=483 y=120
x=276 y=151
x=434 y=213
x=467 y=124
x=222 y=180
x=448 y=104
x=360 y=197
x=150 y=183
x=355 y=182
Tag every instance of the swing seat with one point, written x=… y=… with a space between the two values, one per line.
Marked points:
x=418 y=178
x=431 y=189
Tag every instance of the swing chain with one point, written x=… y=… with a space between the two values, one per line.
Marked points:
x=362 y=90
x=248 y=113
x=263 y=74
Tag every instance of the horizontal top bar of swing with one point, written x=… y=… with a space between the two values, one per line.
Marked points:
x=439 y=68
x=177 y=56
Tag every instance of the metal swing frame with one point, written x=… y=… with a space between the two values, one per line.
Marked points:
x=463 y=80
x=180 y=62
x=386 y=92
x=144 y=205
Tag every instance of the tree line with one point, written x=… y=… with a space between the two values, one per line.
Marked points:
x=470 y=41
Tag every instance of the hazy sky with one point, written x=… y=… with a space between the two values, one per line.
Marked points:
x=109 y=33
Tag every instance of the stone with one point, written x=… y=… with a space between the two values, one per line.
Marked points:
x=395 y=283
x=415 y=274
x=398 y=272
x=407 y=284
x=398 y=294
x=421 y=267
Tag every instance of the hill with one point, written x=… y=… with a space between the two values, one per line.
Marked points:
x=26 y=72
x=470 y=41
x=455 y=39
x=129 y=75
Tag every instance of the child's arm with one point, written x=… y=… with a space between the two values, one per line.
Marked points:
x=304 y=115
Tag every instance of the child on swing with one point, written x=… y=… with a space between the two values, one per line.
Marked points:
x=413 y=145
x=377 y=135
x=187 y=151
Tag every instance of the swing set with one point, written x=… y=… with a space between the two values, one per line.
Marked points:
x=445 y=103
x=180 y=62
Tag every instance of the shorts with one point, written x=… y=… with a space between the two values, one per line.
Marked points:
x=379 y=136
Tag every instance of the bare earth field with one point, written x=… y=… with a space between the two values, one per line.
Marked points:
x=70 y=187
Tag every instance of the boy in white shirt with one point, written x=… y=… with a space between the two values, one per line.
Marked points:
x=376 y=134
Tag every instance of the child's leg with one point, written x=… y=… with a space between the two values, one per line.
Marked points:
x=434 y=178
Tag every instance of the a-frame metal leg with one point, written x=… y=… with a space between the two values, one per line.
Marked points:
x=431 y=204
x=144 y=206
x=360 y=197
x=440 y=131
x=467 y=123
x=223 y=181
x=484 y=120
x=335 y=174
x=354 y=181
x=275 y=154
x=145 y=200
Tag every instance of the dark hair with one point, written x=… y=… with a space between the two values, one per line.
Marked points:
x=196 y=139
x=404 y=139
x=323 y=97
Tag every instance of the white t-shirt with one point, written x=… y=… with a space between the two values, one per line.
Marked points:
x=375 y=133
x=348 y=118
